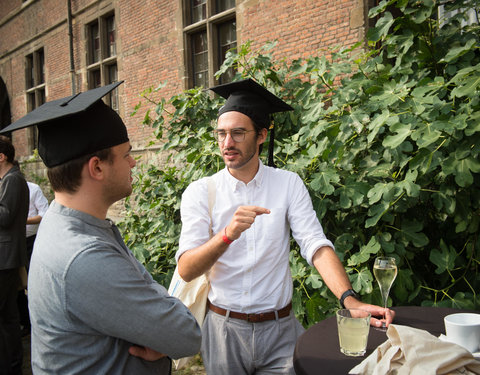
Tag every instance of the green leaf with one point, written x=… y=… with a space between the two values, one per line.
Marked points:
x=378 y=191
x=402 y=132
x=411 y=230
x=456 y=51
x=373 y=247
x=444 y=258
x=323 y=181
x=469 y=88
x=408 y=184
x=376 y=212
x=403 y=284
x=376 y=124
x=362 y=281
x=314 y=280
x=312 y=309
x=381 y=28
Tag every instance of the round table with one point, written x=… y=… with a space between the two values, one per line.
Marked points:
x=318 y=352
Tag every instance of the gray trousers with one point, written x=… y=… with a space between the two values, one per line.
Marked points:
x=236 y=347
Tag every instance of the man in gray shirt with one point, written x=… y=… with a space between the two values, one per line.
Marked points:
x=94 y=308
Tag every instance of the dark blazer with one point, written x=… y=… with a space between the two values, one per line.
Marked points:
x=14 y=201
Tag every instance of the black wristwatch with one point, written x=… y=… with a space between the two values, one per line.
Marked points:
x=349 y=292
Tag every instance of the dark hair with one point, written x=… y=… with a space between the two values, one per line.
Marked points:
x=67 y=177
x=258 y=129
x=6 y=148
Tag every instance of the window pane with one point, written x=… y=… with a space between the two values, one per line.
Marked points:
x=111 y=48
x=34 y=137
x=227 y=39
x=224 y=5
x=94 y=42
x=41 y=67
x=112 y=74
x=112 y=99
x=31 y=101
x=30 y=82
x=200 y=59
x=198 y=10
x=95 y=79
x=40 y=97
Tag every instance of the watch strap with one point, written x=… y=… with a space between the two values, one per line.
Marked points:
x=348 y=293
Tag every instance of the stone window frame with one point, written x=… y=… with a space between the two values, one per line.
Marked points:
x=207 y=23
x=101 y=60
x=35 y=89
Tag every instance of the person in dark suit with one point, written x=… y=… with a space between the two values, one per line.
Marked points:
x=14 y=201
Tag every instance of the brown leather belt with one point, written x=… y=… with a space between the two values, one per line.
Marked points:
x=252 y=318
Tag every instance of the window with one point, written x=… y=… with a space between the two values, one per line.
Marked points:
x=470 y=17
x=102 y=56
x=210 y=31
x=35 y=88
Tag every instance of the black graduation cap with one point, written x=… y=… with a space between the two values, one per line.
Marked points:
x=74 y=126
x=254 y=101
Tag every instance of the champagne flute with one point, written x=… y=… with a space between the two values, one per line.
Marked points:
x=385 y=271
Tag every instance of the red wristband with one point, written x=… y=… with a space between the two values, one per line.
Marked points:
x=225 y=239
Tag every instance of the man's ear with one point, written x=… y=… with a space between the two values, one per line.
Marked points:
x=262 y=136
x=95 y=168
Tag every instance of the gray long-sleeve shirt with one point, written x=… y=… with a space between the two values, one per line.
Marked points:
x=90 y=300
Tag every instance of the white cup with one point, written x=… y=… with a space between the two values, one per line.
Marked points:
x=463 y=329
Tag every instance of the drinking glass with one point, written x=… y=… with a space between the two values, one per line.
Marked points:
x=385 y=271
x=353 y=328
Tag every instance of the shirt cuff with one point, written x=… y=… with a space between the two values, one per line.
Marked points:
x=313 y=249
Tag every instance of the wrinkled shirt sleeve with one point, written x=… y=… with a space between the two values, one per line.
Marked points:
x=305 y=226
x=195 y=217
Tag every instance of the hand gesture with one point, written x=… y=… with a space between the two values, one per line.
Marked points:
x=243 y=218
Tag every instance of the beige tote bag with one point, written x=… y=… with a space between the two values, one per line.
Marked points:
x=194 y=293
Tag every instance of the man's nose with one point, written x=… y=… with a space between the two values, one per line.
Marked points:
x=228 y=140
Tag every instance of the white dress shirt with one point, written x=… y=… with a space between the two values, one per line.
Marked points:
x=253 y=275
x=38 y=206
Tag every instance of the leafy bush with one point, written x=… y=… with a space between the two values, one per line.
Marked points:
x=386 y=138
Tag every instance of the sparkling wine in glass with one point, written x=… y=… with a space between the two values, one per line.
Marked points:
x=385 y=271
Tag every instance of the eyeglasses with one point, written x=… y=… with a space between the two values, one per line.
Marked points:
x=238 y=135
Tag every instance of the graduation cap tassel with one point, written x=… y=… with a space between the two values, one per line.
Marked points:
x=270 y=148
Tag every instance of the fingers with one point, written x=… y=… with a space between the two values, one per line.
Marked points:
x=380 y=315
x=145 y=353
x=251 y=211
x=389 y=316
x=243 y=218
x=386 y=315
x=375 y=322
x=137 y=351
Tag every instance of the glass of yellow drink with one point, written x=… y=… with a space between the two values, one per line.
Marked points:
x=353 y=328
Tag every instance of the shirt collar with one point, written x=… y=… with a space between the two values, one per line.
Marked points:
x=257 y=180
x=89 y=219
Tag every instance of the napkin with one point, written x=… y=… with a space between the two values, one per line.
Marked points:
x=414 y=351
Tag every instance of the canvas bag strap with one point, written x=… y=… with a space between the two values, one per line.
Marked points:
x=211 y=200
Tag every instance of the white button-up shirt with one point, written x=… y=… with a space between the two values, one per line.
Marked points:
x=38 y=206
x=253 y=275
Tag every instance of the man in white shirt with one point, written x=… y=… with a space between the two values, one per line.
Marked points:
x=250 y=327
x=38 y=207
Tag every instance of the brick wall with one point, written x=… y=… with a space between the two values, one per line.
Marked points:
x=303 y=27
